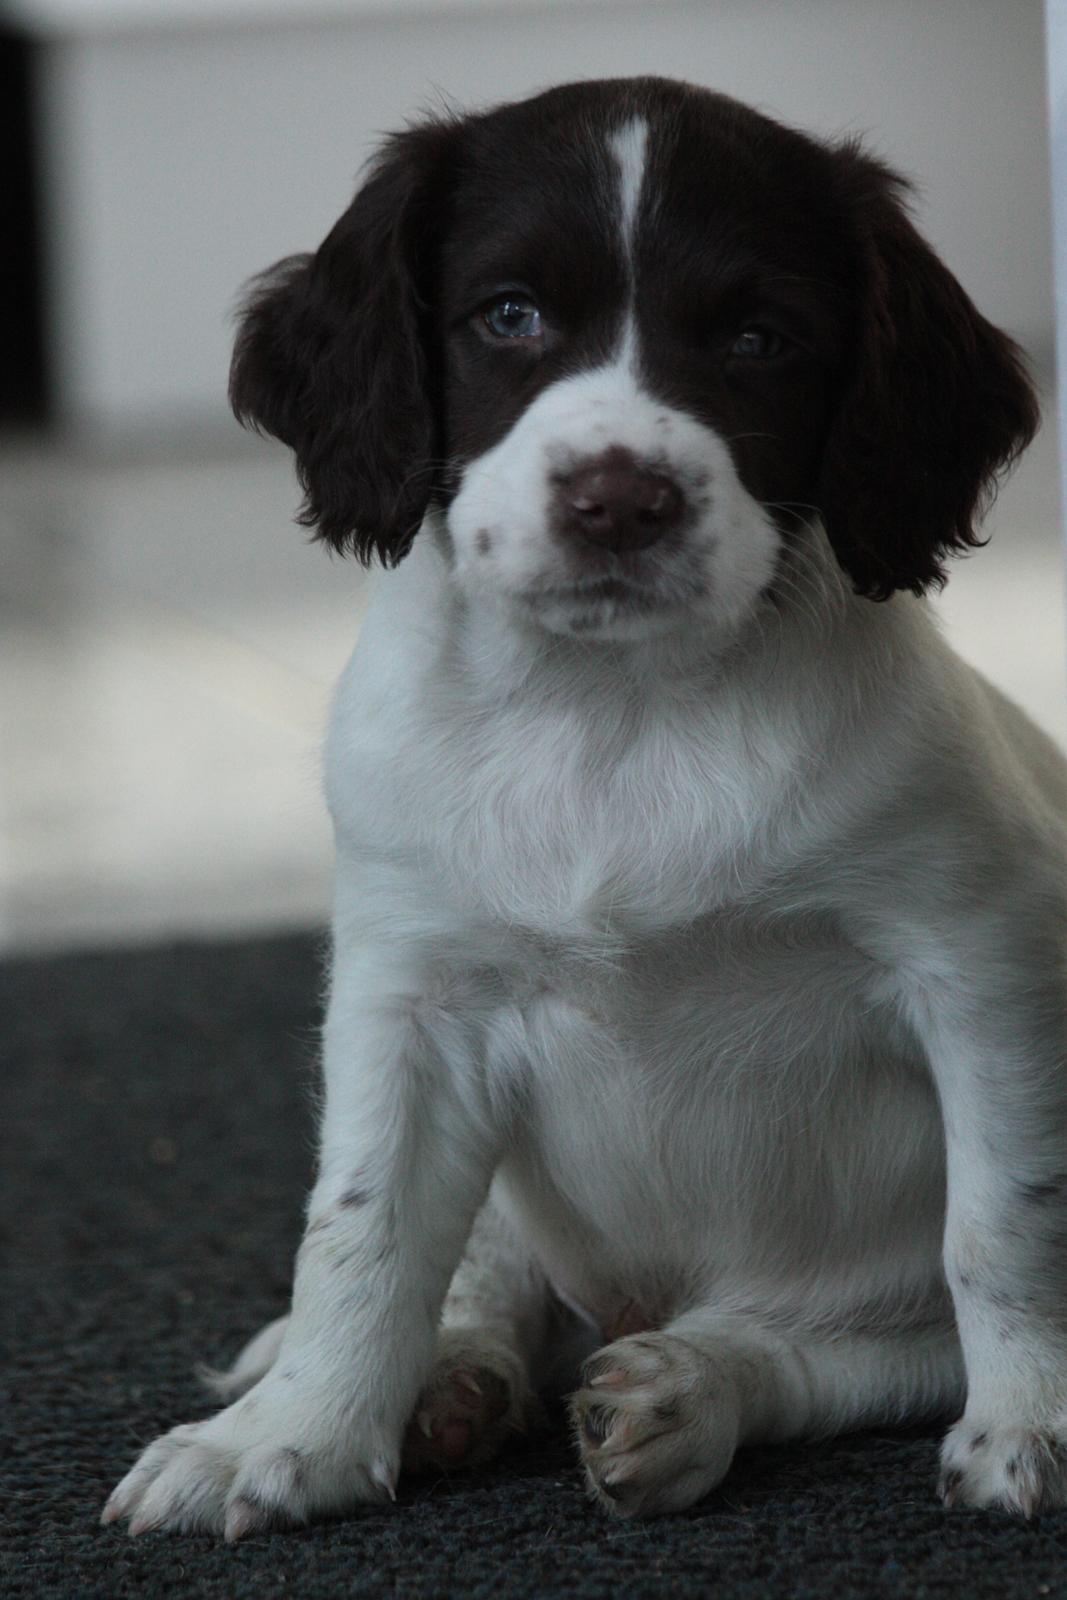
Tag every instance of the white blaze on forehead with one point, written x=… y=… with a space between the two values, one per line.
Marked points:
x=628 y=146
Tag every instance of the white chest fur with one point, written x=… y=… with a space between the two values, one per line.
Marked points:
x=629 y=846
x=581 y=791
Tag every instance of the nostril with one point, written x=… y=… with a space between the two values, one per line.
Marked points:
x=663 y=503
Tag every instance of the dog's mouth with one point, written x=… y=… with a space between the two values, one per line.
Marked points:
x=612 y=604
x=623 y=591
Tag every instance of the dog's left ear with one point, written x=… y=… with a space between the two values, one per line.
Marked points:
x=332 y=357
x=936 y=405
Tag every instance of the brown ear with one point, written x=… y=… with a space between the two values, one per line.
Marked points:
x=938 y=404
x=332 y=358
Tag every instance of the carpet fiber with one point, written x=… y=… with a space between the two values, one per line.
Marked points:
x=157 y=1146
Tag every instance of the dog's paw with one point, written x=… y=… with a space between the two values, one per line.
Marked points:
x=477 y=1393
x=656 y=1423
x=1017 y=1469
x=267 y=1461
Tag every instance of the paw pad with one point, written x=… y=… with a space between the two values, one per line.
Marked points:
x=461 y=1418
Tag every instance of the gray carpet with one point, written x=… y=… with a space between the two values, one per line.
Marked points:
x=157 y=1144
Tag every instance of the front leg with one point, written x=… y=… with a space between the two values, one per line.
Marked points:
x=408 y=1147
x=991 y=1006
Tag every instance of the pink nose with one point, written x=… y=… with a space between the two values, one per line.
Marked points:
x=615 y=502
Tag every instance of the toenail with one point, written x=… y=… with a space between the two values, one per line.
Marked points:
x=597 y=1423
x=610 y=1377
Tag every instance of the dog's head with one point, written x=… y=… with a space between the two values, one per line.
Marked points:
x=630 y=338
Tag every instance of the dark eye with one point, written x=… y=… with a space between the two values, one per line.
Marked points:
x=758 y=344
x=513 y=316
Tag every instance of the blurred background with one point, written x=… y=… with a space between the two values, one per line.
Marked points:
x=168 y=638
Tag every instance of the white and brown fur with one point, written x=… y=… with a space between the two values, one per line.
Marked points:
x=698 y=981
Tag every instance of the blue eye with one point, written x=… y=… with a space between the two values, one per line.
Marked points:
x=513 y=316
x=758 y=344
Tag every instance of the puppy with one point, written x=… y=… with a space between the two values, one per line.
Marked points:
x=698 y=979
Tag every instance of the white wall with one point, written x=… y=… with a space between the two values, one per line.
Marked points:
x=183 y=158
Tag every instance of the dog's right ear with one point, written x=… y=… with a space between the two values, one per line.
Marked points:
x=332 y=358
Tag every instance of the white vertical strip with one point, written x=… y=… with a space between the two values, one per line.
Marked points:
x=1056 y=45
x=629 y=146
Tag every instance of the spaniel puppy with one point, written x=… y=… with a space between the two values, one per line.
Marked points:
x=698 y=959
